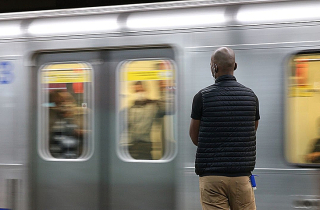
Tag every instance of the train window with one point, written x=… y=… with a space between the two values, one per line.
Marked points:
x=65 y=111
x=146 y=110
x=303 y=113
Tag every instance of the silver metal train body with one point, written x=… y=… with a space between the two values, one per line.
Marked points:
x=264 y=34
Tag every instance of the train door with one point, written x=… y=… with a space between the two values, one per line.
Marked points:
x=84 y=156
x=65 y=165
x=142 y=171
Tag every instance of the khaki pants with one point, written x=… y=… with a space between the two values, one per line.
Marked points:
x=221 y=192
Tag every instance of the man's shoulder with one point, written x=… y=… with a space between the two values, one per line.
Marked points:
x=207 y=89
x=245 y=87
x=198 y=96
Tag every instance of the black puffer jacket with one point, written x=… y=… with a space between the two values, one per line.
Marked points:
x=227 y=137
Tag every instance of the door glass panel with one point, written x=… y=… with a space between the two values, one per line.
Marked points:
x=303 y=113
x=146 y=110
x=65 y=111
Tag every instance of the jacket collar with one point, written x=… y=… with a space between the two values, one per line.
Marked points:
x=225 y=78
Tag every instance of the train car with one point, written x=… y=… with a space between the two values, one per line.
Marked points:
x=70 y=79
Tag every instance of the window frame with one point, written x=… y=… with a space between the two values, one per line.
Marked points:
x=125 y=156
x=287 y=142
x=43 y=140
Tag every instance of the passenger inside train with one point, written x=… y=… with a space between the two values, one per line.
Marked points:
x=145 y=120
x=66 y=126
x=146 y=109
x=141 y=117
x=314 y=155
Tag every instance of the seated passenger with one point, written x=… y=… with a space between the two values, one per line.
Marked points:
x=314 y=155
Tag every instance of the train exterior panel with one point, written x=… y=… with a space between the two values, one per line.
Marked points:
x=41 y=52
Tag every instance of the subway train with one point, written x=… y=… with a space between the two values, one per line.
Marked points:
x=71 y=80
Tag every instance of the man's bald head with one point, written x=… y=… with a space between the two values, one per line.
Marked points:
x=224 y=59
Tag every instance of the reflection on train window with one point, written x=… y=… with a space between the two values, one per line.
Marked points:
x=65 y=111
x=146 y=110
x=303 y=112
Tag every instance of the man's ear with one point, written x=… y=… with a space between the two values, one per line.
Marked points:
x=235 y=66
x=216 y=68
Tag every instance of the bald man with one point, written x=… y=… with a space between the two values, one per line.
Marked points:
x=224 y=121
